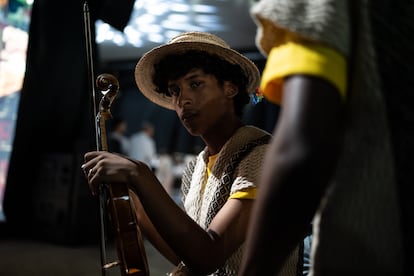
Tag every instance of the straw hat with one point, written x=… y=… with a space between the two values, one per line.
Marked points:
x=210 y=43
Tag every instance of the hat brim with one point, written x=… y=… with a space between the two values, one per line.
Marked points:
x=144 y=70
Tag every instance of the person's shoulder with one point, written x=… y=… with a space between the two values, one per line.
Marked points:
x=254 y=130
x=136 y=135
x=252 y=163
x=258 y=142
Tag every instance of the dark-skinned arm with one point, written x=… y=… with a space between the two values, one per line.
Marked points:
x=202 y=250
x=296 y=173
x=151 y=233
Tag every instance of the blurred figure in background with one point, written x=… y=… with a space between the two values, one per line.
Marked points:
x=117 y=140
x=165 y=171
x=143 y=146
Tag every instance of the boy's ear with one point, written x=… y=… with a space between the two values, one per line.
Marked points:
x=230 y=89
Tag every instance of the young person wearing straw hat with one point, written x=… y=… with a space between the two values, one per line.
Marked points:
x=208 y=84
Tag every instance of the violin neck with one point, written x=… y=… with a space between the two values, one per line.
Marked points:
x=101 y=126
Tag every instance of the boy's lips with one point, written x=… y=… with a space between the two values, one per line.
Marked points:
x=187 y=115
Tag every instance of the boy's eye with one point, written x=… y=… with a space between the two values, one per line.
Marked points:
x=195 y=84
x=173 y=91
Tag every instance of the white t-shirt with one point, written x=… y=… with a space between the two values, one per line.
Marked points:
x=142 y=148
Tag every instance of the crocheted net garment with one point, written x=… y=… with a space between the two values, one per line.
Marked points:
x=236 y=168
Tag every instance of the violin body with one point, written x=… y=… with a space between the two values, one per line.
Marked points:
x=130 y=246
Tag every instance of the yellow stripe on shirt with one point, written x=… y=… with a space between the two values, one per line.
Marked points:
x=310 y=59
x=249 y=193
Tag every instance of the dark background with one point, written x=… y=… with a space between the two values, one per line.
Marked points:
x=46 y=195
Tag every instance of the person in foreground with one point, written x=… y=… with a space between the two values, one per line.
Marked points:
x=332 y=162
x=208 y=85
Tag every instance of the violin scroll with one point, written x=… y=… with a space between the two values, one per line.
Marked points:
x=109 y=87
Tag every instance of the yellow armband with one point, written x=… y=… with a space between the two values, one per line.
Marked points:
x=249 y=193
x=293 y=58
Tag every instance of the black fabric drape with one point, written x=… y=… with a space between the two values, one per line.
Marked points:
x=54 y=114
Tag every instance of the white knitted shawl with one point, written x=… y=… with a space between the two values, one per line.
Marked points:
x=237 y=167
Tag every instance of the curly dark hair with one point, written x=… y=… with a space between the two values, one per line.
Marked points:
x=174 y=66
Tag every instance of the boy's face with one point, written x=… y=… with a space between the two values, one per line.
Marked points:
x=200 y=102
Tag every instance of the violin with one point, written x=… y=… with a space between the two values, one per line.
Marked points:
x=115 y=200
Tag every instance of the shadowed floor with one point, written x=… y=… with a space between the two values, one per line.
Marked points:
x=26 y=257
x=21 y=255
